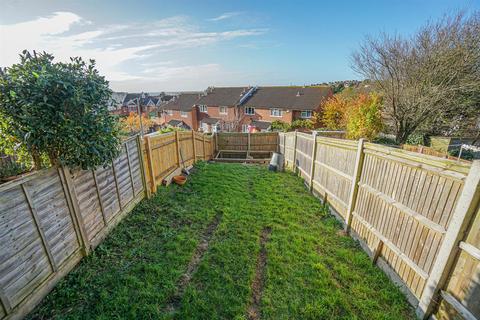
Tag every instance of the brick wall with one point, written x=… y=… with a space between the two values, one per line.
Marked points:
x=190 y=119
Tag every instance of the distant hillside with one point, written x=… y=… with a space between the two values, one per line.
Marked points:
x=358 y=86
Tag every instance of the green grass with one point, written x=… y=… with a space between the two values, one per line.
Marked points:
x=312 y=271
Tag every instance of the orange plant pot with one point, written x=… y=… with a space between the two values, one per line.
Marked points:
x=180 y=180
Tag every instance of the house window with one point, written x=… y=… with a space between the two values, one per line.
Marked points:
x=184 y=114
x=275 y=112
x=245 y=128
x=306 y=114
x=169 y=112
x=223 y=110
x=204 y=127
x=250 y=111
x=203 y=108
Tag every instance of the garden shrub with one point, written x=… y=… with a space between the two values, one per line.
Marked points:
x=59 y=110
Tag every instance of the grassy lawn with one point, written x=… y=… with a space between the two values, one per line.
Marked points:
x=236 y=242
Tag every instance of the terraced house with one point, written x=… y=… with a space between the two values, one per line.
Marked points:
x=181 y=111
x=244 y=109
x=287 y=104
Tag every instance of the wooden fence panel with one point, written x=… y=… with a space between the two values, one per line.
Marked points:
x=186 y=147
x=232 y=141
x=264 y=141
x=88 y=201
x=163 y=152
x=464 y=284
x=304 y=154
x=37 y=235
x=288 y=150
x=108 y=192
x=334 y=168
x=199 y=146
x=50 y=218
x=401 y=212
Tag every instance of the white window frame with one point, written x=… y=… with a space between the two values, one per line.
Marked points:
x=204 y=127
x=306 y=114
x=276 y=112
x=245 y=127
x=251 y=109
x=169 y=112
x=203 y=108
x=223 y=112
x=184 y=114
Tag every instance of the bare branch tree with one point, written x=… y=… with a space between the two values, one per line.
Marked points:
x=430 y=81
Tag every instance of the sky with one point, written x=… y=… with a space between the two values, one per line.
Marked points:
x=179 y=45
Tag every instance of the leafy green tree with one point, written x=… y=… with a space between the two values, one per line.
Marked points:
x=363 y=117
x=59 y=110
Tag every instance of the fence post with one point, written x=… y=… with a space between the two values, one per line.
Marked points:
x=314 y=156
x=153 y=182
x=357 y=173
x=295 y=152
x=204 y=150
x=194 y=148
x=76 y=210
x=466 y=206
x=143 y=172
x=177 y=144
x=248 y=143
x=215 y=136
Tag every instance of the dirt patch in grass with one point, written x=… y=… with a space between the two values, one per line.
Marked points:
x=258 y=284
x=175 y=300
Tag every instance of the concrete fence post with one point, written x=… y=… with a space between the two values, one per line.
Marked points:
x=464 y=210
x=357 y=173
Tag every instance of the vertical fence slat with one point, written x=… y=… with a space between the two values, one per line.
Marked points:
x=143 y=172
x=314 y=156
x=204 y=150
x=116 y=186
x=465 y=208
x=153 y=182
x=39 y=227
x=100 y=201
x=357 y=173
x=130 y=168
x=74 y=209
x=295 y=152
x=194 y=147
x=177 y=147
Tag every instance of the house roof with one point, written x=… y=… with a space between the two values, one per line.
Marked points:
x=262 y=125
x=178 y=123
x=182 y=102
x=224 y=96
x=210 y=120
x=291 y=98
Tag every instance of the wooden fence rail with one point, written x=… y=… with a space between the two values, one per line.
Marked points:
x=410 y=212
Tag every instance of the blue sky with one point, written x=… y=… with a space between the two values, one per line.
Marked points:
x=189 y=45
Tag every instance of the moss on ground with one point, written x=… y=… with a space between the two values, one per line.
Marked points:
x=312 y=271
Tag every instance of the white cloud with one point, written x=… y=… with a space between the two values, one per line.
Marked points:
x=224 y=16
x=121 y=50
